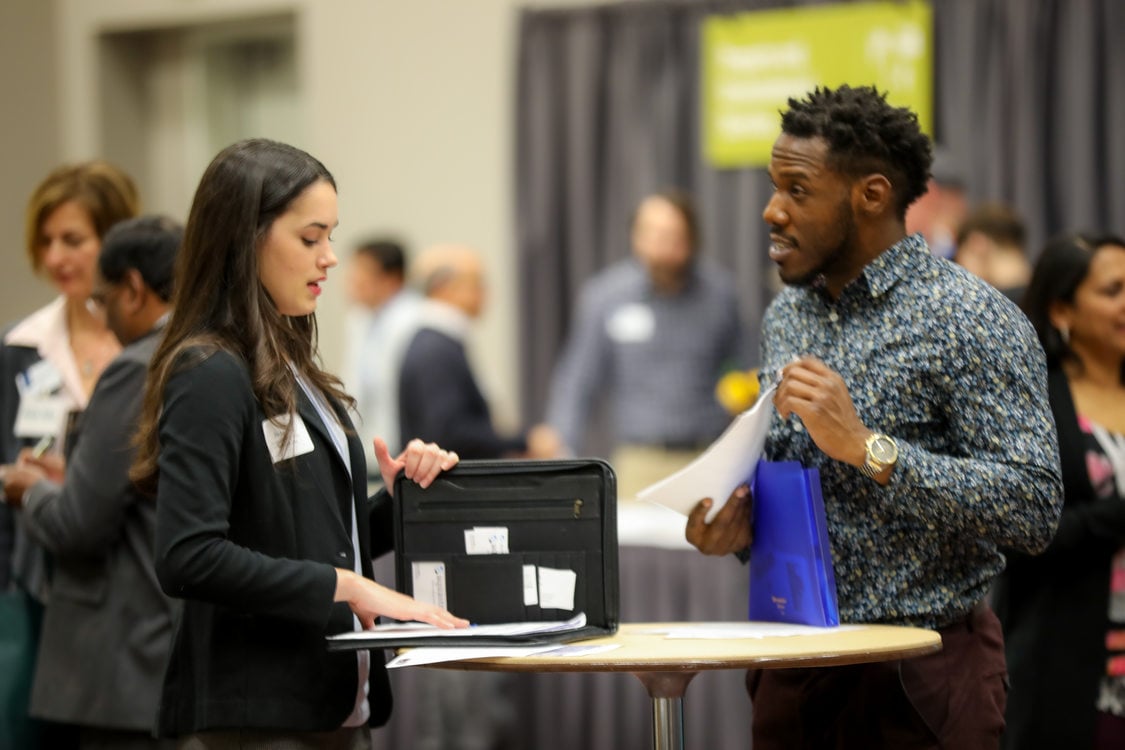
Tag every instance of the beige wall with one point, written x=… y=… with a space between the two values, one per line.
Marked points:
x=29 y=140
x=408 y=103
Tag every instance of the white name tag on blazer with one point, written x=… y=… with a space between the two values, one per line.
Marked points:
x=298 y=444
x=41 y=379
x=41 y=415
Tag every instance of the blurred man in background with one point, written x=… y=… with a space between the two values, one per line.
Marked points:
x=651 y=336
x=991 y=242
x=439 y=398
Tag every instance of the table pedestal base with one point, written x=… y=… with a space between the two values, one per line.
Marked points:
x=667 y=692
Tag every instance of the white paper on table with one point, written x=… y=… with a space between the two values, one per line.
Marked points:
x=727 y=463
x=416 y=657
x=738 y=630
x=579 y=649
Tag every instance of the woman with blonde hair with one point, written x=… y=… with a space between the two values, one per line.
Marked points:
x=50 y=360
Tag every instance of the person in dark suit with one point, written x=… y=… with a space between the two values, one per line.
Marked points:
x=49 y=363
x=108 y=627
x=438 y=395
x=1063 y=611
x=263 y=526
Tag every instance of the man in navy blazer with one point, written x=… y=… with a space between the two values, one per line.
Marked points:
x=439 y=399
x=108 y=626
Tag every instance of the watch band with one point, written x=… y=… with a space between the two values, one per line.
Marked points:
x=869 y=469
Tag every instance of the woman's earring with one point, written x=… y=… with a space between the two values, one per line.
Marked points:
x=1064 y=334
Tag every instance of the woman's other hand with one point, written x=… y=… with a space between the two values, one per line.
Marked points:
x=369 y=600
x=422 y=462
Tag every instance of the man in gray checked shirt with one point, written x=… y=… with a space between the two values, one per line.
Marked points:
x=650 y=338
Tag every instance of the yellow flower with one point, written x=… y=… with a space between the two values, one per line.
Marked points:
x=737 y=390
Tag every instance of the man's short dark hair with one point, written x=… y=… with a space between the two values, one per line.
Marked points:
x=388 y=253
x=996 y=221
x=147 y=243
x=865 y=134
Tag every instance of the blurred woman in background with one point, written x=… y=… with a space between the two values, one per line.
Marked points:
x=1064 y=611
x=50 y=360
x=49 y=363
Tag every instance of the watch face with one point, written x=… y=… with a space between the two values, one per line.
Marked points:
x=883 y=450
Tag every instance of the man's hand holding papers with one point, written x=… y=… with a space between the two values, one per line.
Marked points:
x=728 y=532
x=716 y=476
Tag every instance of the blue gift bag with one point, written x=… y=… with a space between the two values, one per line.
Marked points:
x=791 y=577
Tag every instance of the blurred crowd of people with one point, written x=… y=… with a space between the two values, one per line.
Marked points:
x=99 y=573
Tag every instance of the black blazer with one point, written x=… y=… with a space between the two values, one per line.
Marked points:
x=1054 y=606
x=251 y=546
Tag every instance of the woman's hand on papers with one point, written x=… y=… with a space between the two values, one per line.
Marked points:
x=422 y=462
x=369 y=600
x=728 y=532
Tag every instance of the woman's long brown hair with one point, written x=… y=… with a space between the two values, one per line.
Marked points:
x=219 y=302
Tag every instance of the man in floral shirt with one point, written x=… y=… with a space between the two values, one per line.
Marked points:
x=919 y=393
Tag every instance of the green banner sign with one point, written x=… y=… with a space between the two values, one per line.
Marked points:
x=753 y=62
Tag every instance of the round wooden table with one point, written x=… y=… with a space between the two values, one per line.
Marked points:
x=666 y=665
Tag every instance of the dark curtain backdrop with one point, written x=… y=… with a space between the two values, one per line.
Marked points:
x=1030 y=102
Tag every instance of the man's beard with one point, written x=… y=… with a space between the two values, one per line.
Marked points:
x=817 y=278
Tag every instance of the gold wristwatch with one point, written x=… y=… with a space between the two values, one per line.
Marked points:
x=881 y=452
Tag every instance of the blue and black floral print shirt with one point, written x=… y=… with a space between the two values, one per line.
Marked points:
x=953 y=371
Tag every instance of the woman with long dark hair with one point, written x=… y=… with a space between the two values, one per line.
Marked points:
x=263 y=524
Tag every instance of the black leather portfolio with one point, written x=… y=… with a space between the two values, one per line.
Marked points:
x=527 y=543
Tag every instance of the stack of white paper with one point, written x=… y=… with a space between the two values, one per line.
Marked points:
x=398 y=630
x=416 y=657
x=727 y=463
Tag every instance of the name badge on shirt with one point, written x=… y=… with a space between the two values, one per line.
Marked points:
x=39 y=379
x=42 y=414
x=298 y=444
x=631 y=323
